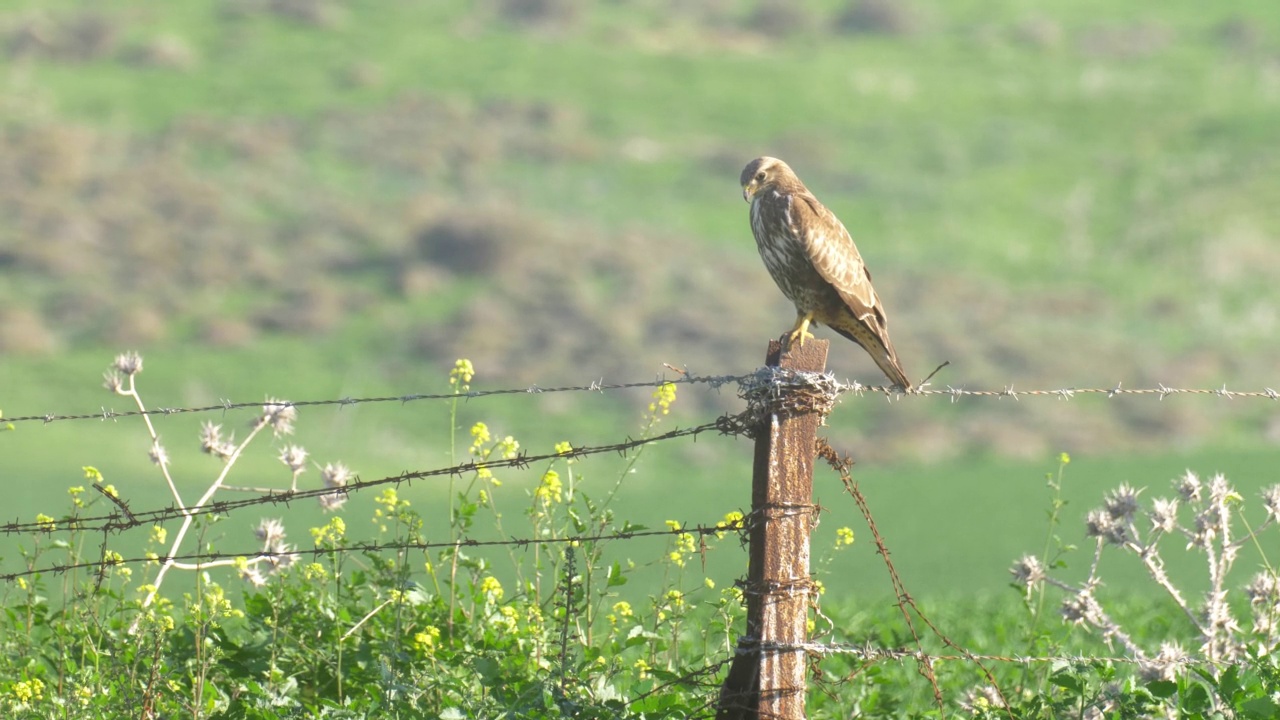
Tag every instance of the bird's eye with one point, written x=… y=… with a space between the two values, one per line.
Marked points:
x=760 y=176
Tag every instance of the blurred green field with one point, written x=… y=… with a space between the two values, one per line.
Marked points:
x=317 y=200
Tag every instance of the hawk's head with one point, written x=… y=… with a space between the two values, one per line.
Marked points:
x=767 y=173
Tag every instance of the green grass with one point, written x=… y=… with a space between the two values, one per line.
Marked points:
x=1014 y=123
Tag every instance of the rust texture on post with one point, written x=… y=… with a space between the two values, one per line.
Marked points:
x=770 y=683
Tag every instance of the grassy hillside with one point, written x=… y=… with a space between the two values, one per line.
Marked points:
x=315 y=199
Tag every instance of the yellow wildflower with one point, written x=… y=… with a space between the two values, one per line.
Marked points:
x=461 y=374
x=663 y=397
x=491 y=588
x=426 y=640
x=479 y=437
x=28 y=690
x=551 y=487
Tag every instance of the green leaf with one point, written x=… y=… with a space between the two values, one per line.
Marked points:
x=1195 y=698
x=616 y=578
x=1068 y=681
x=1261 y=708
x=488 y=669
x=1162 y=688
x=1229 y=682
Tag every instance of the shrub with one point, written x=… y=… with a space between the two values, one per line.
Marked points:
x=781 y=18
x=556 y=15
x=895 y=18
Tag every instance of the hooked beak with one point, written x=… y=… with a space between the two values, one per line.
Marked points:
x=746 y=193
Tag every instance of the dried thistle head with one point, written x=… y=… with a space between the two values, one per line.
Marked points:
x=211 y=441
x=1221 y=492
x=1082 y=608
x=1189 y=487
x=269 y=531
x=1206 y=529
x=127 y=364
x=1217 y=612
x=281 y=555
x=1263 y=588
x=158 y=454
x=1263 y=592
x=295 y=458
x=1122 y=503
x=253 y=576
x=1100 y=523
x=1164 y=515
x=1164 y=665
x=1271 y=501
x=334 y=475
x=113 y=381
x=1028 y=571
x=280 y=415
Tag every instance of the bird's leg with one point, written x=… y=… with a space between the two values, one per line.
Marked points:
x=800 y=329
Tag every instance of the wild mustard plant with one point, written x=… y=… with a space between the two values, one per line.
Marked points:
x=25 y=695
x=460 y=382
x=659 y=407
x=347 y=631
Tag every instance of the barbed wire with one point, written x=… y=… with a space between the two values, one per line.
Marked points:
x=701 y=530
x=861 y=651
x=765 y=391
x=128 y=518
x=1162 y=391
x=954 y=393
x=597 y=386
x=874 y=654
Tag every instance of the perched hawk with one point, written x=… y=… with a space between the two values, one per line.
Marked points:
x=815 y=263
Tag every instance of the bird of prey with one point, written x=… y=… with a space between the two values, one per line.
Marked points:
x=813 y=260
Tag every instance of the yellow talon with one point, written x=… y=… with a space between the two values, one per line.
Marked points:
x=801 y=329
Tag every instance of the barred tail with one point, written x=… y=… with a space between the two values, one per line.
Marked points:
x=880 y=348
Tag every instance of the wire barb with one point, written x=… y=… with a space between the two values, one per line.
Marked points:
x=952 y=393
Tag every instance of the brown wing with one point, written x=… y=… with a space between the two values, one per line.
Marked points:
x=833 y=254
x=836 y=258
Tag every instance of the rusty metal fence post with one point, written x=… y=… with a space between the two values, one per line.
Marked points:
x=767 y=676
